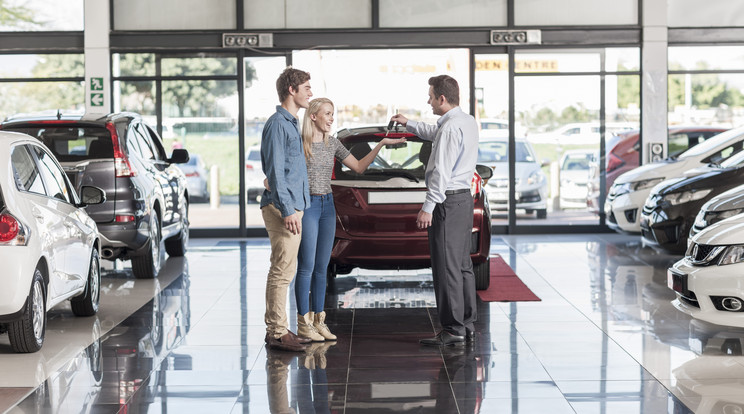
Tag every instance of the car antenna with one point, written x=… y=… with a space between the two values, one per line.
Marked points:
x=59 y=114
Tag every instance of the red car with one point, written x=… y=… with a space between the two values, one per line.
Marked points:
x=624 y=155
x=376 y=211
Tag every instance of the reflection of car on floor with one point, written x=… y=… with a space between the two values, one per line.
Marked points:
x=254 y=175
x=531 y=184
x=376 y=211
x=574 y=176
x=49 y=246
x=197 y=178
x=708 y=281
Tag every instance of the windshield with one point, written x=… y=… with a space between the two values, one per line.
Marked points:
x=576 y=162
x=735 y=160
x=712 y=143
x=497 y=151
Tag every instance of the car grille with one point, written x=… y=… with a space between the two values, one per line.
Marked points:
x=704 y=255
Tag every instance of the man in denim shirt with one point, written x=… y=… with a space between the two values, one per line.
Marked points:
x=283 y=162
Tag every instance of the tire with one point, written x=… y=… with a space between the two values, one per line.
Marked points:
x=87 y=303
x=147 y=266
x=177 y=245
x=482 y=272
x=542 y=213
x=27 y=333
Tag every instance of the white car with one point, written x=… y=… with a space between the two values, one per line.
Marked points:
x=531 y=185
x=49 y=246
x=630 y=190
x=574 y=177
x=578 y=133
x=254 y=175
x=709 y=280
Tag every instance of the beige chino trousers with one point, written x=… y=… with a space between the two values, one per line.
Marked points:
x=284 y=249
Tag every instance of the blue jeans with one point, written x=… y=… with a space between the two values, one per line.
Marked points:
x=318 y=232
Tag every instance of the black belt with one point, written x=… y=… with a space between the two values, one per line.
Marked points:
x=451 y=192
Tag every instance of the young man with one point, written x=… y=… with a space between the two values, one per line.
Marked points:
x=447 y=212
x=283 y=162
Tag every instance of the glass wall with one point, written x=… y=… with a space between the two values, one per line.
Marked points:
x=41 y=15
x=36 y=83
x=198 y=98
x=565 y=114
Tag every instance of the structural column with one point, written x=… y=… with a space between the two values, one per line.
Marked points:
x=654 y=81
x=97 y=61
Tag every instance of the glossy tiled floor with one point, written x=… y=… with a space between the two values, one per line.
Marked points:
x=604 y=339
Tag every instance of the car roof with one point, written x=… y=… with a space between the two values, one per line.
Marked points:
x=48 y=117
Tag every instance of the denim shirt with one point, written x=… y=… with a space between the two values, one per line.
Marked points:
x=283 y=163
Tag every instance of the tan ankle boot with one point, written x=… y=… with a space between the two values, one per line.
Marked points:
x=305 y=328
x=321 y=327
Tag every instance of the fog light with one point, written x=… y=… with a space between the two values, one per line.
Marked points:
x=731 y=304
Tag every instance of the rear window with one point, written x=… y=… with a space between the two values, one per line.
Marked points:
x=498 y=151
x=404 y=160
x=72 y=143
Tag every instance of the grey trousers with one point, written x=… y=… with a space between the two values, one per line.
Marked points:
x=452 y=269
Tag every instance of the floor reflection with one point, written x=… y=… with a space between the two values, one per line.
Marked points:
x=604 y=339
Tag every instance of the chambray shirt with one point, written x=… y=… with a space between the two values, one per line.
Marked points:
x=283 y=162
x=454 y=154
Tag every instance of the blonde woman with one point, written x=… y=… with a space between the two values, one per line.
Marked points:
x=319 y=220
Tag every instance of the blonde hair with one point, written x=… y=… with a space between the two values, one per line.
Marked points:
x=308 y=125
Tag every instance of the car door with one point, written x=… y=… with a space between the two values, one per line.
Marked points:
x=69 y=229
x=170 y=177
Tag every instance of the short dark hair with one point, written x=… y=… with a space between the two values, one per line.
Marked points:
x=447 y=86
x=290 y=78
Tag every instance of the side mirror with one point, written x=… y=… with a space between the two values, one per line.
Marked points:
x=179 y=156
x=484 y=171
x=545 y=162
x=90 y=195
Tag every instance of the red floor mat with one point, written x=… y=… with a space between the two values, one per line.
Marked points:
x=505 y=285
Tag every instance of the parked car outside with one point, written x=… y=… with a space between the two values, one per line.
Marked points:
x=624 y=154
x=254 y=175
x=708 y=280
x=579 y=133
x=49 y=246
x=498 y=128
x=725 y=205
x=147 y=200
x=673 y=204
x=574 y=177
x=531 y=185
x=376 y=211
x=197 y=178
x=631 y=189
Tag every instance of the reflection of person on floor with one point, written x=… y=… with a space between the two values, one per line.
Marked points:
x=312 y=382
x=458 y=386
x=277 y=373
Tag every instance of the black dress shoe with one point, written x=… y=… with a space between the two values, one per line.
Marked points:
x=444 y=338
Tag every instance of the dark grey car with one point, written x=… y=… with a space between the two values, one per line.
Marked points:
x=147 y=196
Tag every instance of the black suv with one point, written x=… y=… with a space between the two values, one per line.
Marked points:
x=147 y=197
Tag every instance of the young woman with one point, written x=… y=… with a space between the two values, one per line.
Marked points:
x=319 y=220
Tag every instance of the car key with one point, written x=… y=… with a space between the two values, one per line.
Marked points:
x=390 y=126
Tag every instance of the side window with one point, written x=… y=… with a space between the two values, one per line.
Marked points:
x=145 y=147
x=133 y=142
x=154 y=141
x=54 y=177
x=27 y=174
x=677 y=143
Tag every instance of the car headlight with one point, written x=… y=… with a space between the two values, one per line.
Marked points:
x=706 y=218
x=644 y=184
x=620 y=189
x=732 y=254
x=685 y=196
x=535 y=177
